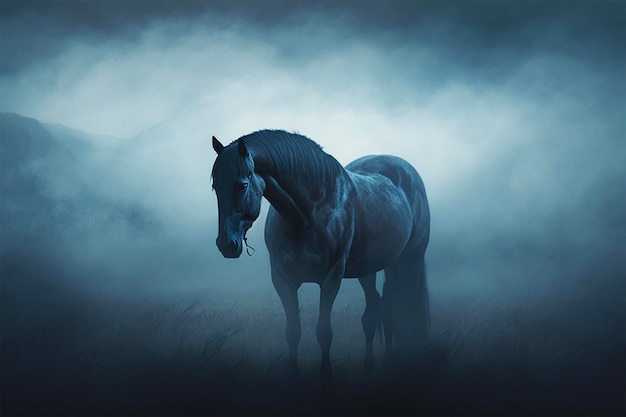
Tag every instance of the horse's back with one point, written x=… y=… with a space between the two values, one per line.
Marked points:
x=405 y=177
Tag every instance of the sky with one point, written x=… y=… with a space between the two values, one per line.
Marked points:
x=512 y=111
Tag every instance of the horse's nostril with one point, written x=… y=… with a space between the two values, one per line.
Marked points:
x=228 y=245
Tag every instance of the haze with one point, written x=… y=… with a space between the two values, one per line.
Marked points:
x=512 y=112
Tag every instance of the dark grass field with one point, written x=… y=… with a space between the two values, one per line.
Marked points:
x=71 y=352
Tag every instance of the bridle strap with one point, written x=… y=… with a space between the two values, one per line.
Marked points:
x=249 y=249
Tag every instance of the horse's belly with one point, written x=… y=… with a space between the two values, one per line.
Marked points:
x=379 y=242
x=383 y=226
x=373 y=259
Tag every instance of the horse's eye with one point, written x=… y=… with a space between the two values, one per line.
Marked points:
x=241 y=186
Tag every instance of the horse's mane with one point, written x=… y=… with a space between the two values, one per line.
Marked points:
x=290 y=154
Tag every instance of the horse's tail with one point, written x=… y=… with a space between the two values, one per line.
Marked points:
x=408 y=303
x=411 y=303
x=423 y=302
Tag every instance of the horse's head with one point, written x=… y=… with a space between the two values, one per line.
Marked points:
x=239 y=191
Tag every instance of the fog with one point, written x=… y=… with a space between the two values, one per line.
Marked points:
x=513 y=115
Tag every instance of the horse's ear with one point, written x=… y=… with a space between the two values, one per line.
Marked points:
x=241 y=146
x=217 y=145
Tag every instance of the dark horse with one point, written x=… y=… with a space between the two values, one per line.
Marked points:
x=327 y=223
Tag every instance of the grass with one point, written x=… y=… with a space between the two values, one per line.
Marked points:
x=67 y=349
x=197 y=357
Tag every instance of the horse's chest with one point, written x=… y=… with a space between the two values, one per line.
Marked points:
x=307 y=255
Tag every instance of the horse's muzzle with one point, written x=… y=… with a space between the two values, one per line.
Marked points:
x=230 y=248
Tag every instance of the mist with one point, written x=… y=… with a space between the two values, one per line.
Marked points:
x=513 y=114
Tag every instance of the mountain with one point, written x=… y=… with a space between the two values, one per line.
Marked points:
x=47 y=190
x=35 y=171
x=169 y=165
x=28 y=150
x=82 y=144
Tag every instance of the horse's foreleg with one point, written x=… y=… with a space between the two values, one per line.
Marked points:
x=371 y=318
x=288 y=293
x=328 y=292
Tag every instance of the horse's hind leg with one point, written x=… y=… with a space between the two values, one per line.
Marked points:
x=288 y=293
x=371 y=318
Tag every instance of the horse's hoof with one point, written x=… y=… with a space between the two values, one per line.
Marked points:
x=325 y=373
x=293 y=371
x=389 y=355
x=369 y=366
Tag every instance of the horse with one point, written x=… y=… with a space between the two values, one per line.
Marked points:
x=326 y=223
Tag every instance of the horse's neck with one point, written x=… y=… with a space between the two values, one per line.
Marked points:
x=290 y=205
x=295 y=198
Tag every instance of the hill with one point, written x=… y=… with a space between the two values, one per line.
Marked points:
x=38 y=175
x=49 y=191
x=83 y=145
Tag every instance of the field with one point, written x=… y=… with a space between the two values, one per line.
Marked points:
x=221 y=350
